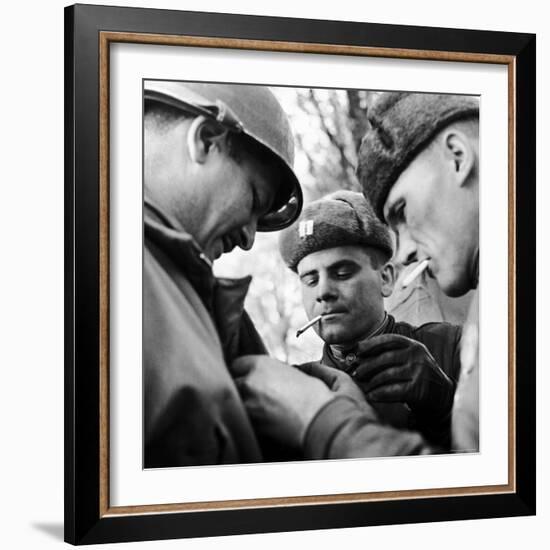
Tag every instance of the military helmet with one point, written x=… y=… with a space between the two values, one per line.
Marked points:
x=252 y=110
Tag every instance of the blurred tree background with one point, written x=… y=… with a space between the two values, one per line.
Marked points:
x=328 y=126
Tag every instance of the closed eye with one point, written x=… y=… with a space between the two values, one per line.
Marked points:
x=344 y=270
x=397 y=215
x=309 y=279
x=343 y=274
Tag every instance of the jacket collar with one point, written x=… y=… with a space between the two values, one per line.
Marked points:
x=223 y=297
x=181 y=248
x=345 y=359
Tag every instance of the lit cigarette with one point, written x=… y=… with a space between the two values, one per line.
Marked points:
x=415 y=273
x=308 y=325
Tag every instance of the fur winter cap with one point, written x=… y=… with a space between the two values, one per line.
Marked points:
x=401 y=124
x=339 y=219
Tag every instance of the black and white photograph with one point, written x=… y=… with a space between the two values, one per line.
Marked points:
x=310 y=273
x=293 y=305
x=275 y=275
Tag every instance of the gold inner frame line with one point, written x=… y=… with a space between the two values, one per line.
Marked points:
x=105 y=39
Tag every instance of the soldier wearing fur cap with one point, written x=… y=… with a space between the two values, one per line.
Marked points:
x=419 y=166
x=341 y=253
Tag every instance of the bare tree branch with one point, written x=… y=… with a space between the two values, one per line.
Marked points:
x=345 y=163
x=357 y=111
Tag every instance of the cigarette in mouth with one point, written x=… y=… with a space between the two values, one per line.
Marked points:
x=415 y=273
x=308 y=325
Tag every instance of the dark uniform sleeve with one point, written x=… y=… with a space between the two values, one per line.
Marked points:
x=443 y=342
x=344 y=429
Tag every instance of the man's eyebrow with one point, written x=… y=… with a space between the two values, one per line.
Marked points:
x=392 y=213
x=347 y=262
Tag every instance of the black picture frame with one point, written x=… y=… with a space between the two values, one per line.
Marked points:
x=87 y=516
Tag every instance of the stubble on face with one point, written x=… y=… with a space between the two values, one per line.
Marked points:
x=239 y=192
x=342 y=284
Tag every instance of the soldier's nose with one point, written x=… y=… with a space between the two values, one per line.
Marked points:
x=406 y=249
x=247 y=234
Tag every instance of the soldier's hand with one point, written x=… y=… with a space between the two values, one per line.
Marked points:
x=395 y=368
x=338 y=381
x=280 y=400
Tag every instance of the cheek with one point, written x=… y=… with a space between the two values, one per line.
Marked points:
x=232 y=210
x=308 y=299
x=349 y=292
x=423 y=227
x=237 y=202
x=418 y=218
x=435 y=235
x=366 y=295
x=164 y=167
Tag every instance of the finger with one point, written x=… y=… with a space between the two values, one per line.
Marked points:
x=243 y=365
x=387 y=394
x=251 y=405
x=328 y=375
x=383 y=342
x=306 y=368
x=374 y=365
x=240 y=383
x=387 y=378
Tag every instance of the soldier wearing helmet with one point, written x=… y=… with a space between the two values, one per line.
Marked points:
x=217 y=168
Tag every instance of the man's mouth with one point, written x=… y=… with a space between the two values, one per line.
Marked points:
x=419 y=268
x=331 y=314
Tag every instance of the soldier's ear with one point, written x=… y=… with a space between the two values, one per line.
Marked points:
x=387 y=276
x=203 y=137
x=460 y=152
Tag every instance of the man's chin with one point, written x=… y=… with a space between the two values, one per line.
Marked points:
x=454 y=287
x=331 y=336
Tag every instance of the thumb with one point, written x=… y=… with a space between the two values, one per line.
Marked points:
x=328 y=375
x=243 y=365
